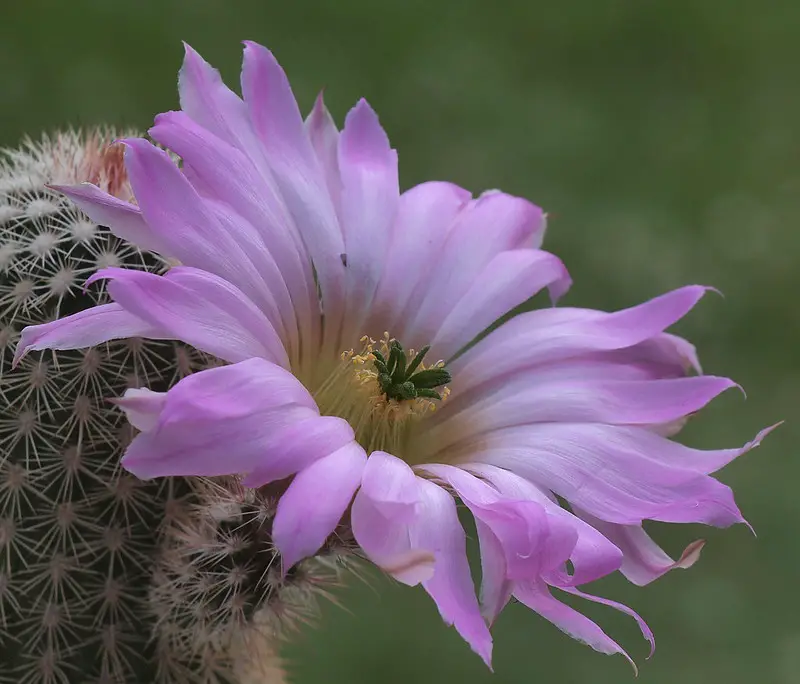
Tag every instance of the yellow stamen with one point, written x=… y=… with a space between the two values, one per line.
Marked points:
x=352 y=392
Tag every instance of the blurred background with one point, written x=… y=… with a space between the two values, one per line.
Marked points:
x=663 y=136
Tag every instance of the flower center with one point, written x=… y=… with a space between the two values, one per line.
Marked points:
x=383 y=392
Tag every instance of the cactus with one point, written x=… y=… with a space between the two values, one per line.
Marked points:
x=105 y=578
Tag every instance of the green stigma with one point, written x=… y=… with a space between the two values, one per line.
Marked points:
x=402 y=381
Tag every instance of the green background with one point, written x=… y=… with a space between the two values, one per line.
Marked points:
x=664 y=138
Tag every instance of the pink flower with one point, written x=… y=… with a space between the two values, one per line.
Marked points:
x=297 y=252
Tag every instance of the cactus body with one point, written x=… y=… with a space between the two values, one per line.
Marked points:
x=105 y=578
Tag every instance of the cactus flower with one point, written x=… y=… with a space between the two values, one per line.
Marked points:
x=352 y=319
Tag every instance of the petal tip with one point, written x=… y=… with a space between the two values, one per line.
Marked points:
x=690 y=555
x=259 y=51
x=136 y=467
x=363 y=137
x=20 y=352
x=192 y=59
x=72 y=190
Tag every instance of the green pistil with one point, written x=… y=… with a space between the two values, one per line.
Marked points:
x=401 y=381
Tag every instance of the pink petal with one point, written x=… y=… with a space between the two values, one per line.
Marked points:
x=410 y=567
x=228 y=175
x=666 y=355
x=548 y=335
x=121 y=218
x=622 y=475
x=675 y=347
x=496 y=588
x=206 y=99
x=451 y=585
x=232 y=179
x=142 y=407
x=383 y=510
x=236 y=391
x=87 y=328
x=424 y=216
x=370 y=192
x=507 y=281
x=193 y=232
x=277 y=121
x=622 y=608
x=324 y=138
x=390 y=486
x=595 y=367
x=297 y=445
x=536 y=238
x=244 y=404
x=537 y=597
x=561 y=394
x=644 y=560
x=521 y=525
x=198 y=308
x=493 y=223
x=215 y=107
x=315 y=502
x=272 y=107
x=593 y=556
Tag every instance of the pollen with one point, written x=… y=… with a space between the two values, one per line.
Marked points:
x=383 y=391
